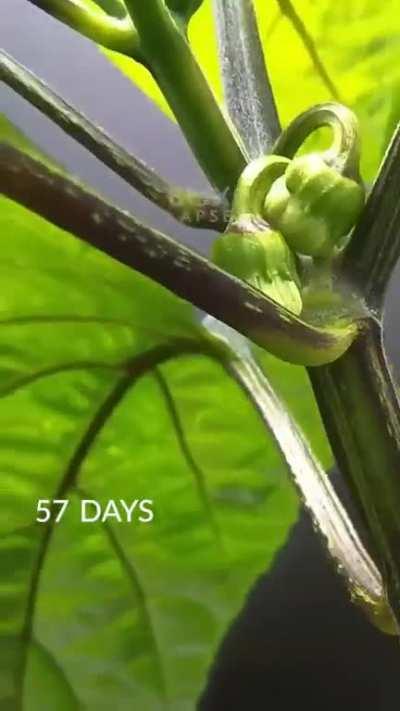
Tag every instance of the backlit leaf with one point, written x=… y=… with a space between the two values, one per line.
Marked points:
x=110 y=614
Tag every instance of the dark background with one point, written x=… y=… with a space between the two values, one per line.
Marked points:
x=298 y=643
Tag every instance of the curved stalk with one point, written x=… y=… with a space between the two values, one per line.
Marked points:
x=189 y=207
x=187 y=274
x=168 y=56
x=116 y=33
x=343 y=154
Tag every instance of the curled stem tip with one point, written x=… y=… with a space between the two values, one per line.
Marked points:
x=344 y=151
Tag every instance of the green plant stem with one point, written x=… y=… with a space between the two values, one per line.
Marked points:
x=168 y=55
x=194 y=209
x=360 y=410
x=356 y=395
x=67 y=204
x=374 y=249
x=246 y=80
x=115 y=33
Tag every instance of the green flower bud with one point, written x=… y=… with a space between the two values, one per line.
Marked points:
x=313 y=205
x=260 y=256
x=250 y=249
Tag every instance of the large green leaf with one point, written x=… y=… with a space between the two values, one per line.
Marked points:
x=112 y=614
x=357 y=43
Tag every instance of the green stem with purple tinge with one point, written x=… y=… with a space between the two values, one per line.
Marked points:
x=67 y=204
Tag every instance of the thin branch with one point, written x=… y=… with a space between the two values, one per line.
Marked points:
x=242 y=69
x=317 y=493
x=288 y=9
x=175 y=266
x=168 y=55
x=192 y=208
x=247 y=88
x=116 y=33
x=374 y=249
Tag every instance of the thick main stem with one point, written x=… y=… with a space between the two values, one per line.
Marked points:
x=356 y=395
x=360 y=410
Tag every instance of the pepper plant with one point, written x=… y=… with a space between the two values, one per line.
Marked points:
x=112 y=384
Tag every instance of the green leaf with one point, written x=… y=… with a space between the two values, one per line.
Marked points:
x=357 y=44
x=55 y=692
x=113 y=614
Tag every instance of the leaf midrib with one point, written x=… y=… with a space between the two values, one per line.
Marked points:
x=138 y=367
